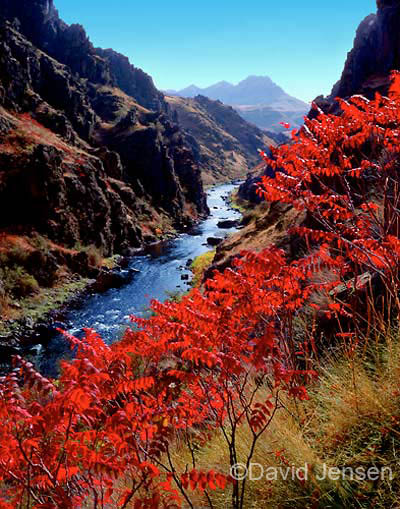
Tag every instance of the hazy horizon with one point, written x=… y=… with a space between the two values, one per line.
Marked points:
x=302 y=48
x=217 y=83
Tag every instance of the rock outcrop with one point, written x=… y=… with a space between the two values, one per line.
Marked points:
x=375 y=53
x=133 y=81
x=88 y=153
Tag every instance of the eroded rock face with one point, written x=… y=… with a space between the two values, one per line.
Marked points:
x=154 y=156
x=375 y=53
x=33 y=81
x=133 y=81
x=42 y=192
x=38 y=20
x=88 y=153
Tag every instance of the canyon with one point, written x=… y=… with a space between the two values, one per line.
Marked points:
x=95 y=162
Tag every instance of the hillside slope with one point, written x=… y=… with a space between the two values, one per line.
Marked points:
x=257 y=99
x=64 y=85
x=225 y=146
x=91 y=164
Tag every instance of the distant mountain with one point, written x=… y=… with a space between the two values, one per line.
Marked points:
x=257 y=99
x=269 y=118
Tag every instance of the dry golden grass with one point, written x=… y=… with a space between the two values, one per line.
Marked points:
x=351 y=420
x=266 y=225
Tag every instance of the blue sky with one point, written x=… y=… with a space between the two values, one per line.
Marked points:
x=301 y=45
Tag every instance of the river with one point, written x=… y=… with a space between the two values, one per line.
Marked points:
x=162 y=273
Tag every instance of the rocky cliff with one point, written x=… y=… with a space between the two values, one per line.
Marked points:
x=88 y=153
x=91 y=163
x=225 y=145
x=375 y=53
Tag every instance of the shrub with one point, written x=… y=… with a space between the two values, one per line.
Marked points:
x=94 y=254
x=226 y=360
x=95 y=257
x=23 y=284
x=40 y=243
x=3 y=298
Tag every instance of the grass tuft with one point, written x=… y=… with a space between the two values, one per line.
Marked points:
x=200 y=265
x=352 y=420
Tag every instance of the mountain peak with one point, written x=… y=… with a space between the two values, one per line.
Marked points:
x=253 y=90
x=257 y=99
x=190 y=91
x=253 y=78
x=223 y=84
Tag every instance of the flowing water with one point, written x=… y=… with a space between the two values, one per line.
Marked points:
x=160 y=277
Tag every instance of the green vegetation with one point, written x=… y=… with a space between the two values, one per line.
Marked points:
x=37 y=306
x=237 y=203
x=15 y=281
x=110 y=262
x=18 y=282
x=35 y=278
x=251 y=212
x=200 y=265
x=95 y=254
x=173 y=296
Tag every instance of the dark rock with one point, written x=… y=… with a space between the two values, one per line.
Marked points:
x=185 y=277
x=228 y=223
x=214 y=241
x=123 y=262
x=8 y=348
x=149 y=238
x=111 y=162
x=248 y=189
x=131 y=252
x=154 y=155
x=375 y=53
x=133 y=81
x=43 y=266
x=112 y=279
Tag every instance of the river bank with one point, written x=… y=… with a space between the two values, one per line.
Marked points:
x=159 y=271
x=45 y=313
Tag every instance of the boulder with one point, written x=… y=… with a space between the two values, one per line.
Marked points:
x=228 y=223
x=112 y=279
x=214 y=241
